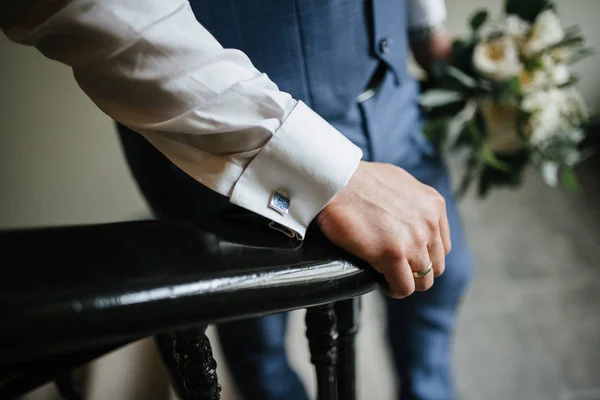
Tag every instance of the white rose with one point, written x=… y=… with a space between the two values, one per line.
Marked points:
x=547 y=31
x=497 y=58
x=516 y=27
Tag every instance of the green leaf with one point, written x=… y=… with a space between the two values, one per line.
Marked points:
x=481 y=128
x=573 y=80
x=435 y=131
x=507 y=91
x=478 y=19
x=465 y=184
x=462 y=55
x=581 y=54
x=449 y=77
x=491 y=177
x=568 y=41
x=447 y=111
x=465 y=80
x=527 y=9
x=513 y=87
x=569 y=179
x=484 y=185
x=473 y=168
x=462 y=139
x=438 y=69
x=490 y=159
x=439 y=97
x=533 y=63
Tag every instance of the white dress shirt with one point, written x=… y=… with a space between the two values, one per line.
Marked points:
x=424 y=13
x=151 y=66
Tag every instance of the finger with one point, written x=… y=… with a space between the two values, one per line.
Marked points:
x=423 y=283
x=445 y=232
x=400 y=280
x=421 y=263
x=437 y=255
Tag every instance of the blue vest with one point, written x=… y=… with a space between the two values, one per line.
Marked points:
x=325 y=52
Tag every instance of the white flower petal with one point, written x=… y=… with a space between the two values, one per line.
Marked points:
x=439 y=97
x=547 y=30
x=577 y=135
x=553 y=112
x=550 y=173
x=516 y=27
x=497 y=59
x=560 y=74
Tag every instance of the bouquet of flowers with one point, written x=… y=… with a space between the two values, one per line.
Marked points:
x=507 y=98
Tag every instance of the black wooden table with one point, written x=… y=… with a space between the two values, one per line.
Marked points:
x=69 y=295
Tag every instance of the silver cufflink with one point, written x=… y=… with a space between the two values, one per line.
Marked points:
x=279 y=203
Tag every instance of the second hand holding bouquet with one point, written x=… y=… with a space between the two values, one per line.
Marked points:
x=507 y=97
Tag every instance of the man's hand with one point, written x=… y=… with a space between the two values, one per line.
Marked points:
x=437 y=46
x=392 y=221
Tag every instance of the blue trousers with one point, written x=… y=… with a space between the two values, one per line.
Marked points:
x=419 y=328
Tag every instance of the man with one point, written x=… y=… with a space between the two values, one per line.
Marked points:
x=340 y=66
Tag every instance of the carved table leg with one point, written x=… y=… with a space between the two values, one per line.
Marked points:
x=347 y=313
x=321 y=331
x=188 y=355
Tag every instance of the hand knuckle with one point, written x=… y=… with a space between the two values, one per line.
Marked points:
x=437 y=197
x=431 y=191
x=439 y=203
x=393 y=252
x=420 y=239
x=432 y=224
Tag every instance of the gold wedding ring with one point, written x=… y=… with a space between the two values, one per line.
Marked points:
x=423 y=272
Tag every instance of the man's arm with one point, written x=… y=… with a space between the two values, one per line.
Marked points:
x=429 y=40
x=151 y=66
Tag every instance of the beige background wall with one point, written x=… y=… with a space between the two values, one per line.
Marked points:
x=60 y=163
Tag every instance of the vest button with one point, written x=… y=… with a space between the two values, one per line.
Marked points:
x=385 y=46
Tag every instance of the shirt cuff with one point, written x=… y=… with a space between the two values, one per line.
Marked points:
x=306 y=162
x=425 y=13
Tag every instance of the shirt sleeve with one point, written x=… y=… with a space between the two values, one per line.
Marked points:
x=151 y=66
x=425 y=13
